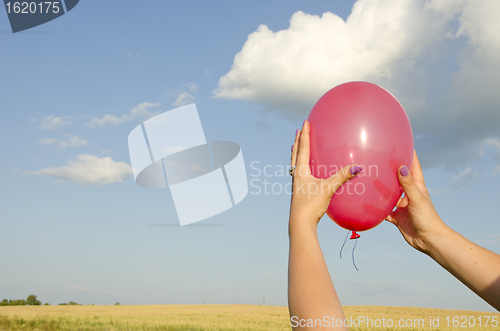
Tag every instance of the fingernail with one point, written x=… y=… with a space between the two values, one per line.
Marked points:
x=304 y=122
x=355 y=170
x=296 y=132
x=292 y=149
x=403 y=171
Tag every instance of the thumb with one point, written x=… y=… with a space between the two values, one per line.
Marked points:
x=406 y=180
x=342 y=176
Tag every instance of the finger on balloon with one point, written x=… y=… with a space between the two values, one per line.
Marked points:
x=342 y=176
x=390 y=219
x=416 y=170
x=403 y=202
x=397 y=214
x=304 y=145
x=394 y=216
x=400 y=199
x=295 y=148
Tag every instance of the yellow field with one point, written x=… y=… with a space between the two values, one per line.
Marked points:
x=226 y=317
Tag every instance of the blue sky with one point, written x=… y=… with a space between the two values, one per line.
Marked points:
x=79 y=84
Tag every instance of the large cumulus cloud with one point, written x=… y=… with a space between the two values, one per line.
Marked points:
x=439 y=58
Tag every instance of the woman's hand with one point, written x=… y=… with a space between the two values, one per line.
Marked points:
x=421 y=226
x=311 y=294
x=311 y=196
x=415 y=216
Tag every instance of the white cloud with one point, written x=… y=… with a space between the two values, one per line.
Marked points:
x=439 y=58
x=473 y=96
x=192 y=87
x=71 y=141
x=183 y=99
x=106 y=120
x=495 y=143
x=464 y=179
x=142 y=111
x=89 y=169
x=51 y=123
x=292 y=68
x=185 y=94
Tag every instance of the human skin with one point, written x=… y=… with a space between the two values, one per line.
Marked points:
x=421 y=226
x=311 y=294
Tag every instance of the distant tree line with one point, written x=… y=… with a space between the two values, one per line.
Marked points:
x=30 y=301
x=33 y=301
x=71 y=303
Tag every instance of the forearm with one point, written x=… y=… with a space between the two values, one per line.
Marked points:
x=311 y=294
x=475 y=266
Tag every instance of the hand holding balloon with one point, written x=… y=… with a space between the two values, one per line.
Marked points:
x=421 y=226
x=311 y=293
x=310 y=290
x=311 y=196
x=361 y=123
x=415 y=216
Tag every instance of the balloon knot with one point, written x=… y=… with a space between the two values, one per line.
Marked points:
x=354 y=235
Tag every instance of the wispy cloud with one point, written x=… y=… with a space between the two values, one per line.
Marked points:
x=183 y=99
x=70 y=141
x=51 y=123
x=185 y=94
x=192 y=87
x=89 y=169
x=464 y=179
x=142 y=111
x=106 y=120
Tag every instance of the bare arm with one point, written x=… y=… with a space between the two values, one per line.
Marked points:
x=311 y=294
x=421 y=226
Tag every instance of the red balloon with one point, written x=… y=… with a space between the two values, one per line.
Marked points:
x=360 y=122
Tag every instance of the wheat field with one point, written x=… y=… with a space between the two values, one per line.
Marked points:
x=228 y=317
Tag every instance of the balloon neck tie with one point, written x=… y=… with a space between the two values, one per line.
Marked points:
x=354 y=235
